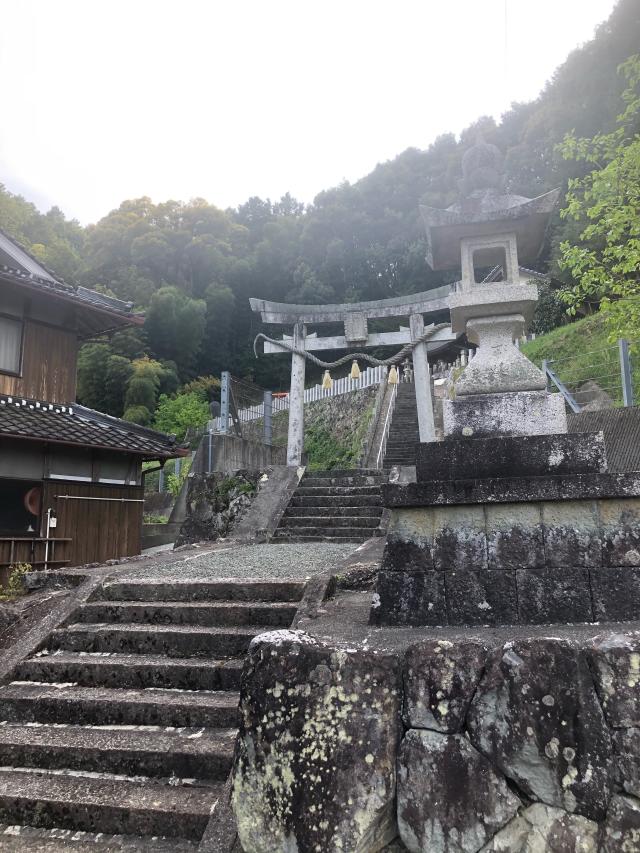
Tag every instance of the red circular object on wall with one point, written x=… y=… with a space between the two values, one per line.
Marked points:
x=33 y=500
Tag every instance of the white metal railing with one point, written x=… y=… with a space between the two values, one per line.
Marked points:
x=345 y=385
x=386 y=427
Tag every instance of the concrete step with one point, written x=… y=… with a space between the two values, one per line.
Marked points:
x=104 y=805
x=202 y=754
x=349 y=521
x=280 y=539
x=336 y=500
x=404 y=425
x=30 y=702
x=334 y=511
x=131 y=671
x=406 y=436
x=29 y=839
x=222 y=590
x=369 y=480
x=407 y=445
x=172 y=640
x=188 y=613
x=337 y=491
x=348 y=472
x=331 y=532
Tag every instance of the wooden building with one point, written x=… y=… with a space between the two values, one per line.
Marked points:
x=70 y=478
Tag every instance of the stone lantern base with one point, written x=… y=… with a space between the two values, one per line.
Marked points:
x=523 y=413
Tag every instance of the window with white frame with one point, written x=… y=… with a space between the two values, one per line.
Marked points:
x=10 y=344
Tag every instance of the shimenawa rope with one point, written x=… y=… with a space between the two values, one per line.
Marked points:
x=351 y=356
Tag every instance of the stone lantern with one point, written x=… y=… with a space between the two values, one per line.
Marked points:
x=489 y=233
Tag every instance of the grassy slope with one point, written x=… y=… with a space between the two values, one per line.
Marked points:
x=581 y=351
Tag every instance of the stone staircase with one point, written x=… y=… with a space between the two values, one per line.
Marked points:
x=334 y=506
x=403 y=433
x=124 y=724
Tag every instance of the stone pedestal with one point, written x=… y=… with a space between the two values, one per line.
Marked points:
x=500 y=391
x=512 y=530
x=485 y=415
x=498 y=366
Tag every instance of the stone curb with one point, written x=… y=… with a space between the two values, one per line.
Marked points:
x=220 y=836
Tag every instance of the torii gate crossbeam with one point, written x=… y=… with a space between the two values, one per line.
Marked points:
x=355 y=316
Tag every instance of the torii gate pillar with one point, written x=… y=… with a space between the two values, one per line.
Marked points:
x=295 y=439
x=422 y=379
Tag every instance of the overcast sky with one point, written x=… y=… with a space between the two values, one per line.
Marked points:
x=104 y=100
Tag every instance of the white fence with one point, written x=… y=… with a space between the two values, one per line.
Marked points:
x=368 y=377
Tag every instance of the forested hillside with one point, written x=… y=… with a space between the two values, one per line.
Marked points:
x=192 y=267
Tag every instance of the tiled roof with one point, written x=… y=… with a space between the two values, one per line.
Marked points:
x=19 y=267
x=73 y=424
x=621 y=428
x=91 y=298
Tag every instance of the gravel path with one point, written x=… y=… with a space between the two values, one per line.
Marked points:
x=296 y=560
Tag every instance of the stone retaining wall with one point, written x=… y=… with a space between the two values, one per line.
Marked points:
x=457 y=746
x=509 y=563
x=341 y=416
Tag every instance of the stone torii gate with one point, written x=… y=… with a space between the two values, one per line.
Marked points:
x=355 y=317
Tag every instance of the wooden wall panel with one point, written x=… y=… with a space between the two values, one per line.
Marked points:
x=49 y=364
x=100 y=530
x=8 y=384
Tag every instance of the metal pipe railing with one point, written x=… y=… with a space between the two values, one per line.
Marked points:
x=386 y=427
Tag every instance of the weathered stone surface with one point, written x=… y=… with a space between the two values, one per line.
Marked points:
x=414 y=525
x=620 y=532
x=553 y=596
x=409 y=598
x=511 y=456
x=621 y=831
x=616 y=594
x=403 y=555
x=572 y=533
x=440 y=678
x=615 y=662
x=542 y=829
x=396 y=846
x=487 y=415
x=512 y=490
x=450 y=799
x=460 y=539
x=498 y=367
x=213 y=508
x=315 y=765
x=626 y=746
x=514 y=536
x=537 y=717
x=9 y=614
x=482 y=598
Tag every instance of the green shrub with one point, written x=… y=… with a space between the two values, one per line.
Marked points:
x=15 y=586
x=176 y=481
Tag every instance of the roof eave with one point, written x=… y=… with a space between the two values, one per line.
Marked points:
x=146 y=456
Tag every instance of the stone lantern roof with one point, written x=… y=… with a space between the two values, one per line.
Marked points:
x=486 y=209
